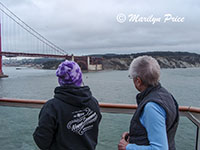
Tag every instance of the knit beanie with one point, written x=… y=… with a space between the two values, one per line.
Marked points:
x=69 y=73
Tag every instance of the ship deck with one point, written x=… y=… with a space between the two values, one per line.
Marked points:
x=192 y=113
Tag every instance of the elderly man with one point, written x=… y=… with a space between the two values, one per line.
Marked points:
x=153 y=125
x=69 y=121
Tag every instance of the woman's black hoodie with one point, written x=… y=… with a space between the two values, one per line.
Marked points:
x=69 y=121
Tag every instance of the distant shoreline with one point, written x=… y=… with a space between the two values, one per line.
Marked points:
x=118 y=61
x=165 y=59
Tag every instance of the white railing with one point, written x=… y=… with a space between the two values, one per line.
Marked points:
x=192 y=113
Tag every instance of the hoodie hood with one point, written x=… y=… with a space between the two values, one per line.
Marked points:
x=73 y=95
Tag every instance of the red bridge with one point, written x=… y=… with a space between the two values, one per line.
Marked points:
x=17 y=39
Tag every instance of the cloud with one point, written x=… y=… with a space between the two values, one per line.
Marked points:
x=90 y=26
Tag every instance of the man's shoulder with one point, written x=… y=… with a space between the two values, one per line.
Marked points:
x=154 y=108
x=151 y=105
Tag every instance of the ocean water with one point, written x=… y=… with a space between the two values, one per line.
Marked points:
x=18 y=124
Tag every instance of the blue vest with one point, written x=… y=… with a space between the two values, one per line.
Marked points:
x=159 y=95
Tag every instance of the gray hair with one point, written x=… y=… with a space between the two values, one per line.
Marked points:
x=147 y=68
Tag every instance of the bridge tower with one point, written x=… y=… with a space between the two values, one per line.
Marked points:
x=1 y=71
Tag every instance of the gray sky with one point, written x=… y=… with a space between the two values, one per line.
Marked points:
x=90 y=26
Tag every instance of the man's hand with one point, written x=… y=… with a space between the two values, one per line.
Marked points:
x=122 y=144
x=125 y=136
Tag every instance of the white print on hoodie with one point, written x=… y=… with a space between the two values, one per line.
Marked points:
x=82 y=121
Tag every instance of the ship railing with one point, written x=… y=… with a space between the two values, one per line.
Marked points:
x=192 y=113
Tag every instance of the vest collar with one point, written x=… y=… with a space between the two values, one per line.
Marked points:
x=143 y=94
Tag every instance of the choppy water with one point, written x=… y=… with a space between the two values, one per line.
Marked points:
x=18 y=124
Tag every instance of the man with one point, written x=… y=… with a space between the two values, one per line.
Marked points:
x=153 y=125
x=70 y=120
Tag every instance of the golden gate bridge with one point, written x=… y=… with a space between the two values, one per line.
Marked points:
x=18 y=39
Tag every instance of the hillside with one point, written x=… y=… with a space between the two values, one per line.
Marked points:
x=165 y=59
x=119 y=61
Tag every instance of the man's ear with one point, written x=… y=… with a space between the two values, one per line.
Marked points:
x=139 y=81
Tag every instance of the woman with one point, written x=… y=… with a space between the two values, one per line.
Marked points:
x=70 y=120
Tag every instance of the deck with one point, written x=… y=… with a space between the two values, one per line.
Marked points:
x=192 y=113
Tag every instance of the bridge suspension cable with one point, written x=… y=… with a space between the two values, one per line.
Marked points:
x=17 y=36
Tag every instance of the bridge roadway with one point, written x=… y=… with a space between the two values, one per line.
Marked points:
x=14 y=54
x=85 y=62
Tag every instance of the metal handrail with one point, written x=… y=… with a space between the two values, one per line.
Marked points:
x=192 y=113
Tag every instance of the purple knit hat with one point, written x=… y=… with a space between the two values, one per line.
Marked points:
x=69 y=73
